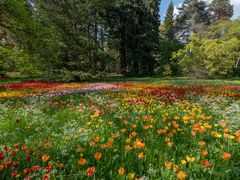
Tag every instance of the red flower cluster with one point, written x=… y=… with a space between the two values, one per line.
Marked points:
x=14 y=159
x=3 y=79
x=29 y=85
x=170 y=94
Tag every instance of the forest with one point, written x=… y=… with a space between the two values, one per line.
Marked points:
x=80 y=40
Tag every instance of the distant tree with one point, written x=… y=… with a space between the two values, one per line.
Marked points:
x=164 y=58
x=165 y=66
x=216 y=51
x=193 y=17
x=169 y=22
x=220 y=9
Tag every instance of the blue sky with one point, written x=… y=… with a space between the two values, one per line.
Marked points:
x=165 y=3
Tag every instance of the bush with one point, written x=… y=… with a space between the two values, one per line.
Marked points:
x=66 y=75
x=20 y=62
x=236 y=72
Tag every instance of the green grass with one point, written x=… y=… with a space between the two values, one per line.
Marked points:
x=153 y=80
x=176 y=80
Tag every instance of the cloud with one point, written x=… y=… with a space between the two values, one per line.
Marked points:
x=236 y=4
x=176 y=11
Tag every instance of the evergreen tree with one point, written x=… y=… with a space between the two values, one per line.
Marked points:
x=155 y=16
x=169 y=22
x=136 y=26
x=220 y=9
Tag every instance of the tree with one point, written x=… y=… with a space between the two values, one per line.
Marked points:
x=29 y=39
x=220 y=9
x=164 y=57
x=169 y=22
x=204 y=54
x=78 y=24
x=193 y=17
x=167 y=45
x=136 y=26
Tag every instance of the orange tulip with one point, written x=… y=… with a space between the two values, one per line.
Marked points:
x=226 y=155
x=205 y=164
x=98 y=156
x=90 y=171
x=121 y=171
x=45 y=158
x=82 y=161
x=140 y=155
x=35 y=168
x=204 y=152
x=202 y=143
x=168 y=165
x=181 y=175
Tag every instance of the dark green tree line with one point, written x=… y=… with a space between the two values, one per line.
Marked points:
x=85 y=36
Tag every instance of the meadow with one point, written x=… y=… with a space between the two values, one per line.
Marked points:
x=133 y=129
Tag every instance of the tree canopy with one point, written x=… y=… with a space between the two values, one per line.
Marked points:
x=215 y=51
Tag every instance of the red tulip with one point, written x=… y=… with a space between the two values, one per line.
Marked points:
x=27 y=171
x=48 y=169
x=2 y=155
x=14 y=173
x=31 y=151
x=28 y=158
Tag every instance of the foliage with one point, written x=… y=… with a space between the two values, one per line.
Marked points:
x=77 y=76
x=18 y=60
x=81 y=39
x=164 y=57
x=216 y=51
x=168 y=24
x=136 y=25
x=193 y=17
x=168 y=45
x=220 y=9
x=84 y=36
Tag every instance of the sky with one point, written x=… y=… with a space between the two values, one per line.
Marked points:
x=165 y=3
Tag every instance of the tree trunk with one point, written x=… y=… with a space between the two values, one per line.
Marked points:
x=122 y=50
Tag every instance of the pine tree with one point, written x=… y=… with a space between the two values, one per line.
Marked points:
x=136 y=26
x=155 y=16
x=168 y=45
x=169 y=22
x=220 y=9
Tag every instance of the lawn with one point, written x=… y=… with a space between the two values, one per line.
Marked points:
x=138 y=128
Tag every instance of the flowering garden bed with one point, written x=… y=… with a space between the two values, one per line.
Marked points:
x=123 y=130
